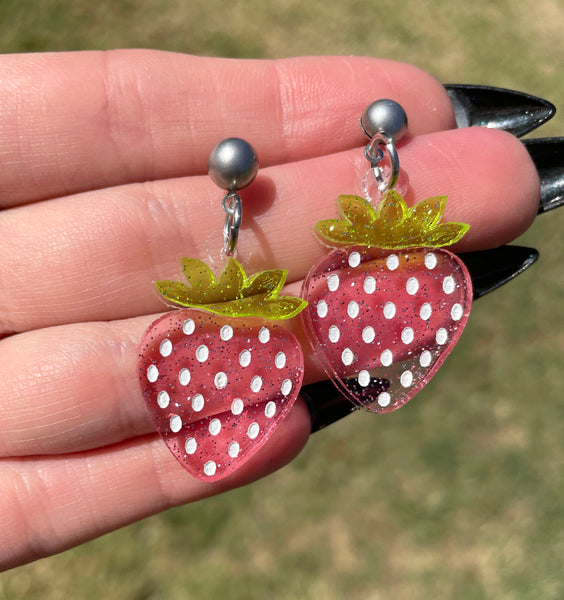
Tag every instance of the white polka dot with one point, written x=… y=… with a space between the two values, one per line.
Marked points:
x=412 y=286
x=386 y=358
x=253 y=430
x=237 y=406
x=190 y=445
x=333 y=282
x=369 y=285
x=215 y=426
x=210 y=468
x=406 y=379
x=448 y=285
x=354 y=259
x=188 y=327
x=407 y=335
x=334 y=334
x=389 y=310
x=175 y=423
x=163 y=399
x=197 y=402
x=384 y=399
x=392 y=262
x=184 y=376
x=426 y=311
x=456 y=312
x=286 y=387
x=425 y=358
x=442 y=336
x=280 y=360
x=256 y=383
x=245 y=358
x=430 y=260
x=347 y=357
x=270 y=409
x=234 y=449
x=353 y=309
x=322 y=309
x=220 y=380
x=165 y=348
x=368 y=334
x=264 y=335
x=152 y=373
x=363 y=378
x=202 y=353
x=226 y=333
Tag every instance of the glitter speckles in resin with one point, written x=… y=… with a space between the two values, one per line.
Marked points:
x=390 y=323
x=220 y=388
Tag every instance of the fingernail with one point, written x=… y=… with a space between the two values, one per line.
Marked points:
x=498 y=108
x=548 y=156
x=489 y=270
x=325 y=403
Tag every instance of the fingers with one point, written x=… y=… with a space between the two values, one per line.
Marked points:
x=72 y=388
x=79 y=121
x=95 y=256
x=49 y=504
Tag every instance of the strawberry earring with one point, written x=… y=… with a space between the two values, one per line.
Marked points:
x=220 y=376
x=389 y=304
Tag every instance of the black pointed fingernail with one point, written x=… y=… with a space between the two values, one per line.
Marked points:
x=498 y=108
x=489 y=270
x=325 y=403
x=548 y=156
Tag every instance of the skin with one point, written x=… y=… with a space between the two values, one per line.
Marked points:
x=103 y=188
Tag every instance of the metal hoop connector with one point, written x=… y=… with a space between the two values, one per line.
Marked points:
x=374 y=153
x=231 y=204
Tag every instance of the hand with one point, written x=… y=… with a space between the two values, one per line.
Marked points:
x=103 y=188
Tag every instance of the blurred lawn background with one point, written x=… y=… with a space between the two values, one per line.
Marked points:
x=459 y=495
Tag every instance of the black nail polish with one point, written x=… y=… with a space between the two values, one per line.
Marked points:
x=326 y=405
x=489 y=270
x=548 y=156
x=498 y=108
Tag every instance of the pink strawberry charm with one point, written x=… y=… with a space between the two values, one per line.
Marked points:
x=385 y=311
x=219 y=380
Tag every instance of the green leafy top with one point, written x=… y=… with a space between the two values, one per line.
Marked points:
x=233 y=294
x=393 y=225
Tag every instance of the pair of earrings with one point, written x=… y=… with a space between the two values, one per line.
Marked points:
x=382 y=312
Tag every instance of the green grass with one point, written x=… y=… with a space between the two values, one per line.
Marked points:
x=459 y=495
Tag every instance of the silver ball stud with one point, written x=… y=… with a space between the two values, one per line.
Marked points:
x=384 y=116
x=232 y=164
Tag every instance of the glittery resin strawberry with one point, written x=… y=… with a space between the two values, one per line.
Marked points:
x=385 y=311
x=219 y=380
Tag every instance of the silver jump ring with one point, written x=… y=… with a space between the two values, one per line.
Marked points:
x=231 y=204
x=374 y=154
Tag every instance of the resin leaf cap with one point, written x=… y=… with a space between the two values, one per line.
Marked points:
x=393 y=225
x=233 y=294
